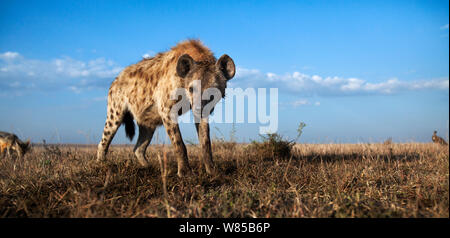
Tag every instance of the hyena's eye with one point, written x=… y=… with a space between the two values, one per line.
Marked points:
x=191 y=89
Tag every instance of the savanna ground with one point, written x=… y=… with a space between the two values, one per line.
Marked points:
x=311 y=180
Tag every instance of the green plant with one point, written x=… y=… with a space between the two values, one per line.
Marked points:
x=300 y=130
x=221 y=143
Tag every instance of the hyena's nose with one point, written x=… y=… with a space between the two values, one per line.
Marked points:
x=195 y=108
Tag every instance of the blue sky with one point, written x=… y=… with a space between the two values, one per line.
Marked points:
x=353 y=71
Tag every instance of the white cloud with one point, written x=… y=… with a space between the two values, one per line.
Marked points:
x=14 y=84
x=149 y=54
x=75 y=89
x=308 y=85
x=18 y=73
x=300 y=102
x=9 y=55
x=444 y=27
x=352 y=84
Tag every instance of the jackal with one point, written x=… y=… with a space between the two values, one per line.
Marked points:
x=143 y=92
x=437 y=139
x=10 y=141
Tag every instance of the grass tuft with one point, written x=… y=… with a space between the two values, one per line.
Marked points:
x=273 y=146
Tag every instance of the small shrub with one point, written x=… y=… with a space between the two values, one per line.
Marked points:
x=223 y=145
x=273 y=146
x=388 y=141
x=300 y=130
x=220 y=143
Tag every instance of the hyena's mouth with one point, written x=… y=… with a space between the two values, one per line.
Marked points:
x=195 y=111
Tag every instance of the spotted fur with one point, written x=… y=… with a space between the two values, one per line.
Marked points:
x=438 y=140
x=9 y=141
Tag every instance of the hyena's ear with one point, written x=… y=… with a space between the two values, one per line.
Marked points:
x=184 y=65
x=226 y=66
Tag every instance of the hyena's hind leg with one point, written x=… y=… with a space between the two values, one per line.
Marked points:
x=114 y=119
x=144 y=139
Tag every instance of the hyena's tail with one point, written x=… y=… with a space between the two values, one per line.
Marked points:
x=129 y=125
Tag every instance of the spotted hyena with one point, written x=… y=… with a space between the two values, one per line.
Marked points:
x=144 y=92
x=9 y=141
x=438 y=140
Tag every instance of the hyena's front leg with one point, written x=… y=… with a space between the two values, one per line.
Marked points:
x=205 y=142
x=173 y=130
x=113 y=121
x=8 y=151
x=145 y=137
x=2 y=149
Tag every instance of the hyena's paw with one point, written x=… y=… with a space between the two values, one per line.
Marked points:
x=212 y=171
x=142 y=160
x=184 y=172
x=101 y=156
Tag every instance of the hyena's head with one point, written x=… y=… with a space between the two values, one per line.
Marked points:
x=22 y=147
x=205 y=81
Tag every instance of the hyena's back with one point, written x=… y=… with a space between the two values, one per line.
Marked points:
x=133 y=95
x=144 y=88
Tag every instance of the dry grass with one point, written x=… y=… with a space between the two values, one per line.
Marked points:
x=392 y=180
